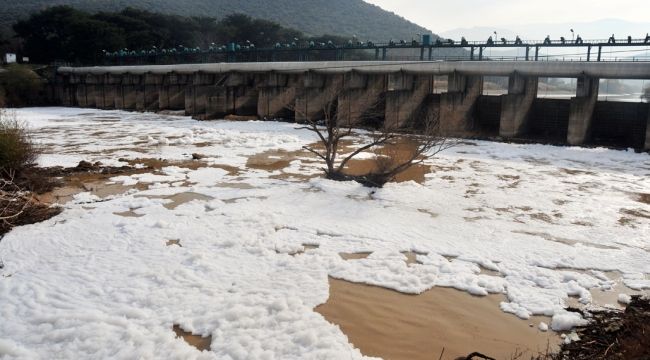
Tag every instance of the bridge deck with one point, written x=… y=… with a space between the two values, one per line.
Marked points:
x=603 y=70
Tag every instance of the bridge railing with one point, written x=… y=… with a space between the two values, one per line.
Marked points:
x=447 y=50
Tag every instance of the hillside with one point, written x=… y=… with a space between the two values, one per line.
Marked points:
x=314 y=17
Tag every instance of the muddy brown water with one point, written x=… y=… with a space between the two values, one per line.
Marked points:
x=390 y=156
x=411 y=256
x=99 y=184
x=392 y=325
x=178 y=199
x=129 y=214
x=96 y=184
x=354 y=256
x=643 y=198
x=199 y=342
x=561 y=240
x=274 y=160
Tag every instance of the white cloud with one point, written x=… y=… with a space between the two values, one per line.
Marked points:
x=445 y=15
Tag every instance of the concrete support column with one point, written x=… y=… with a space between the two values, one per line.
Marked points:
x=196 y=94
x=127 y=94
x=277 y=95
x=64 y=90
x=148 y=93
x=85 y=92
x=100 y=91
x=171 y=95
x=458 y=103
x=362 y=98
x=318 y=91
x=516 y=106
x=647 y=133
x=582 y=110
x=105 y=91
x=112 y=85
x=404 y=98
x=233 y=94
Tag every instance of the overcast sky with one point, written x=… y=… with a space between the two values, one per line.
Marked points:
x=443 y=15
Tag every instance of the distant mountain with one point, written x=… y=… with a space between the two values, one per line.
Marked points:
x=314 y=17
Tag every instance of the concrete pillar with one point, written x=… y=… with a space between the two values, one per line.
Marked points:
x=127 y=94
x=112 y=85
x=277 y=95
x=64 y=90
x=233 y=94
x=318 y=91
x=458 y=103
x=85 y=92
x=362 y=99
x=100 y=95
x=196 y=94
x=516 y=106
x=582 y=110
x=148 y=93
x=171 y=95
x=105 y=90
x=405 y=95
x=647 y=133
x=75 y=83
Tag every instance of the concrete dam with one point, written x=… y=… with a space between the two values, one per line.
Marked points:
x=299 y=91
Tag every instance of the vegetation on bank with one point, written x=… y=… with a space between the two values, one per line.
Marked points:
x=21 y=86
x=18 y=183
x=17 y=151
x=63 y=33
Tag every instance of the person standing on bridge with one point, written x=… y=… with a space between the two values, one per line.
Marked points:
x=612 y=40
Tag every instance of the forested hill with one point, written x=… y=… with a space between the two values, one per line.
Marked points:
x=314 y=17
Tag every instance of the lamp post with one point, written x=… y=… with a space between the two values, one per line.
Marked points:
x=572 y=35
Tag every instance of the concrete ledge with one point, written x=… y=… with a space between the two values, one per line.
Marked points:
x=603 y=70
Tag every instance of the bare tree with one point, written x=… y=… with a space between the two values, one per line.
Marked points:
x=422 y=133
x=17 y=155
x=13 y=203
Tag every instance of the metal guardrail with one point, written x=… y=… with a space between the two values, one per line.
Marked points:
x=475 y=50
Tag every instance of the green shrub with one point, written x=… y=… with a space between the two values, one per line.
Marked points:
x=20 y=86
x=16 y=148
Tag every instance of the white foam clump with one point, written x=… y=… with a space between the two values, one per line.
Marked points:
x=206 y=176
x=85 y=198
x=624 y=299
x=566 y=320
x=542 y=326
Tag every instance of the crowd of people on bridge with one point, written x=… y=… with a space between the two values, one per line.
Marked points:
x=295 y=44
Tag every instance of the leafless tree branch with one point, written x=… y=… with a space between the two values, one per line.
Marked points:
x=335 y=126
